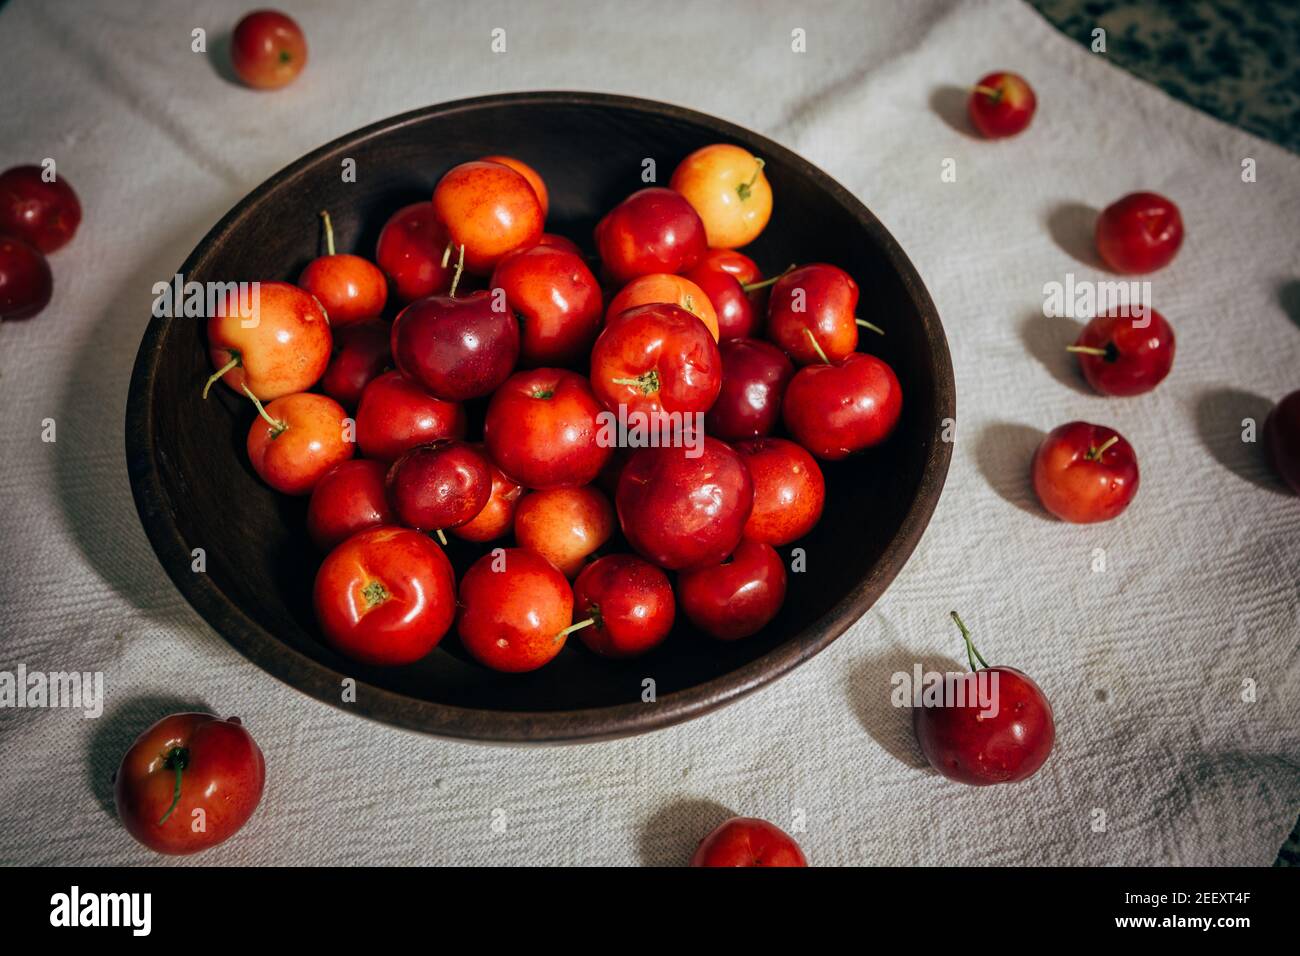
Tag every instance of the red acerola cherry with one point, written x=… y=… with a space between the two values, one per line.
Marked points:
x=736 y=315
x=747 y=841
x=685 y=507
x=542 y=429
x=349 y=288
x=268 y=50
x=835 y=410
x=296 y=439
x=45 y=215
x=26 y=283
x=456 y=348
x=516 y=609
x=440 y=485
x=361 y=355
x=789 y=490
x=533 y=176
x=498 y=516
x=564 y=525
x=629 y=602
x=1282 y=440
x=410 y=252
x=652 y=230
x=556 y=298
x=1002 y=104
x=811 y=314
x=656 y=358
x=350 y=497
x=738 y=597
x=1085 y=473
x=972 y=744
x=284 y=349
x=1125 y=354
x=394 y=415
x=754 y=378
x=489 y=210
x=1139 y=233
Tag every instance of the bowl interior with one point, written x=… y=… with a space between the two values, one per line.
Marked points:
x=196 y=490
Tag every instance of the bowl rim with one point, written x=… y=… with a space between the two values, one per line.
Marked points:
x=479 y=725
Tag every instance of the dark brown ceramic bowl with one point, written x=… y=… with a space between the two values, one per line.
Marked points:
x=194 y=488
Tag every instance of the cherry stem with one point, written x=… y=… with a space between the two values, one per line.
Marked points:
x=212 y=379
x=743 y=189
x=446 y=254
x=754 y=286
x=575 y=627
x=1094 y=454
x=442 y=538
x=329 y=232
x=277 y=426
x=972 y=655
x=648 y=383
x=868 y=325
x=989 y=91
x=813 y=339
x=1085 y=350
x=460 y=267
x=176 y=760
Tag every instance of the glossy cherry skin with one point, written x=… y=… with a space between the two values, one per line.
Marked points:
x=515 y=607
x=747 y=841
x=652 y=230
x=456 y=348
x=656 y=358
x=361 y=355
x=490 y=210
x=309 y=439
x=733 y=308
x=410 y=252
x=663 y=287
x=968 y=746
x=268 y=50
x=1139 y=233
x=26 y=282
x=497 y=518
x=350 y=497
x=789 y=490
x=394 y=415
x=45 y=215
x=542 y=429
x=440 y=485
x=836 y=410
x=1282 y=440
x=726 y=185
x=738 y=597
x=223 y=774
x=349 y=288
x=533 y=176
x=1002 y=104
x=554 y=241
x=385 y=596
x=630 y=602
x=285 y=351
x=683 y=512
x=1075 y=483
x=564 y=525
x=557 y=301
x=815 y=301
x=754 y=378
x=1134 y=359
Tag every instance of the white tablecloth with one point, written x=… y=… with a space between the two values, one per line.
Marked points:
x=1158 y=759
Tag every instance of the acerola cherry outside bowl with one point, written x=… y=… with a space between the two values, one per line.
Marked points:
x=191 y=482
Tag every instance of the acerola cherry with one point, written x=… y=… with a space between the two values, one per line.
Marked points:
x=835 y=410
x=385 y=596
x=682 y=511
x=1125 y=355
x=457 y=349
x=489 y=210
x=286 y=350
x=1282 y=440
x=557 y=300
x=656 y=358
x=350 y=289
x=738 y=597
x=629 y=602
x=268 y=50
x=45 y=215
x=652 y=230
x=361 y=355
x=1085 y=473
x=533 y=176
x=440 y=485
x=747 y=841
x=1139 y=233
x=811 y=314
x=969 y=744
x=662 y=287
x=410 y=252
x=498 y=516
x=394 y=415
x=350 y=497
x=789 y=490
x=734 y=309
x=1002 y=104
x=542 y=429
x=26 y=283
x=296 y=439
x=516 y=609
x=726 y=186
x=754 y=378
x=564 y=525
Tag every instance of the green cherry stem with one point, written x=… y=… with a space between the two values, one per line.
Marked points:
x=329 y=232
x=442 y=538
x=575 y=627
x=813 y=339
x=1085 y=350
x=744 y=189
x=277 y=426
x=212 y=379
x=460 y=267
x=868 y=325
x=1094 y=454
x=446 y=253
x=177 y=759
x=972 y=655
x=989 y=91
x=754 y=286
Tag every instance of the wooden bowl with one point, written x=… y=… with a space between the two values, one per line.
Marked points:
x=194 y=488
